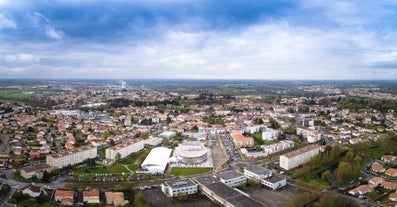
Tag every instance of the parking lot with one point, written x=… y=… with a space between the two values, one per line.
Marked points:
x=155 y=197
x=273 y=197
x=218 y=155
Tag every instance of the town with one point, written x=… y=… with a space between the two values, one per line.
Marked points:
x=197 y=143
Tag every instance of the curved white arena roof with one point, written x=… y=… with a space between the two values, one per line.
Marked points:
x=157 y=160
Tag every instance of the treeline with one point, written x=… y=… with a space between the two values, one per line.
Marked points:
x=325 y=159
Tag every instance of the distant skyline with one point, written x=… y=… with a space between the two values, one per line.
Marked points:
x=198 y=39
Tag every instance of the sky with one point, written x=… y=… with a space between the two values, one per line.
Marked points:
x=198 y=39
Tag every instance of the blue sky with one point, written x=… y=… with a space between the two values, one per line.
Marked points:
x=198 y=39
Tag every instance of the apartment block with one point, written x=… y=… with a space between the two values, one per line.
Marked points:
x=71 y=157
x=298 y=157
x=124 y=149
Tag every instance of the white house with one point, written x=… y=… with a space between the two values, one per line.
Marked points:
x=32 y=190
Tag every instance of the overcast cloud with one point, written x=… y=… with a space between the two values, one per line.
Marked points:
x=200 y=39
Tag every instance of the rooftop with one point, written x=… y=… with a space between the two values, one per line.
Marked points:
x=230 y=175
x=274 y=179
x=258 y=170
x=300 y=151
x=180 y=183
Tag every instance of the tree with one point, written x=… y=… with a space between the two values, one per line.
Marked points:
x=140 y=201
x=349 y=156
x=344 y=172
x=46 y=177
x=326 y=175
x=182 y=196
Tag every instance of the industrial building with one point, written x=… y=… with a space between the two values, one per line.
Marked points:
x=157 y=160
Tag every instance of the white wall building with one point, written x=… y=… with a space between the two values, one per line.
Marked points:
x=167 y=134
x=157 y=160
x=270 y=134
x=265 y=176
x=277 y=147
x=298 y=157
x=72 y=157
x=275 y=182
x=310 y=133
x=232 y=178
x=124 y=149
x=257 y=173
x=191 y=152
x=173 y=188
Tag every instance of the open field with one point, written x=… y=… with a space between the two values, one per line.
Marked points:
x=13 y=96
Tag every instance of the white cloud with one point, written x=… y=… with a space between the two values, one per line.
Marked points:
x=54 y=34
x=6 y=22
x=21 y=58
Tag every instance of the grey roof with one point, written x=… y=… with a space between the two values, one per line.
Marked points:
x=180 y=183
x=274 y=179
x=229 y=194
x=230 y=175
x=258 y=170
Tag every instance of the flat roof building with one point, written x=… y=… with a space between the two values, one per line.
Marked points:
x=173 y=188
x=71 y=157
x=298 y=157
x=124 y=149
x=232 y=178
x=222 y=194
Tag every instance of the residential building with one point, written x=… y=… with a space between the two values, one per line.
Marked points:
x=91 y=196
x=240 y=140
x=115 y=198
x=232 y=178
x=361 y=190
x=124 y=149
x=64 y=196
x=375 y=181
x=72 y=157
x=388 y=158
x=393 y=196
x=312 y=134
x=173 y=188
x=389 y=185
x=298 y=157
x=270 y=134
x=37 y=171
x=32 y=190
x=277 y=147
x=391 y=172
x=378 y=168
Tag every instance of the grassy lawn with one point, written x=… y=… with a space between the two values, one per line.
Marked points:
x=138 y=156
x=189 y=170
x=115 y=168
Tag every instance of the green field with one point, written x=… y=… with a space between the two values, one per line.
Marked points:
x=13 y=96
x=189 y=170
